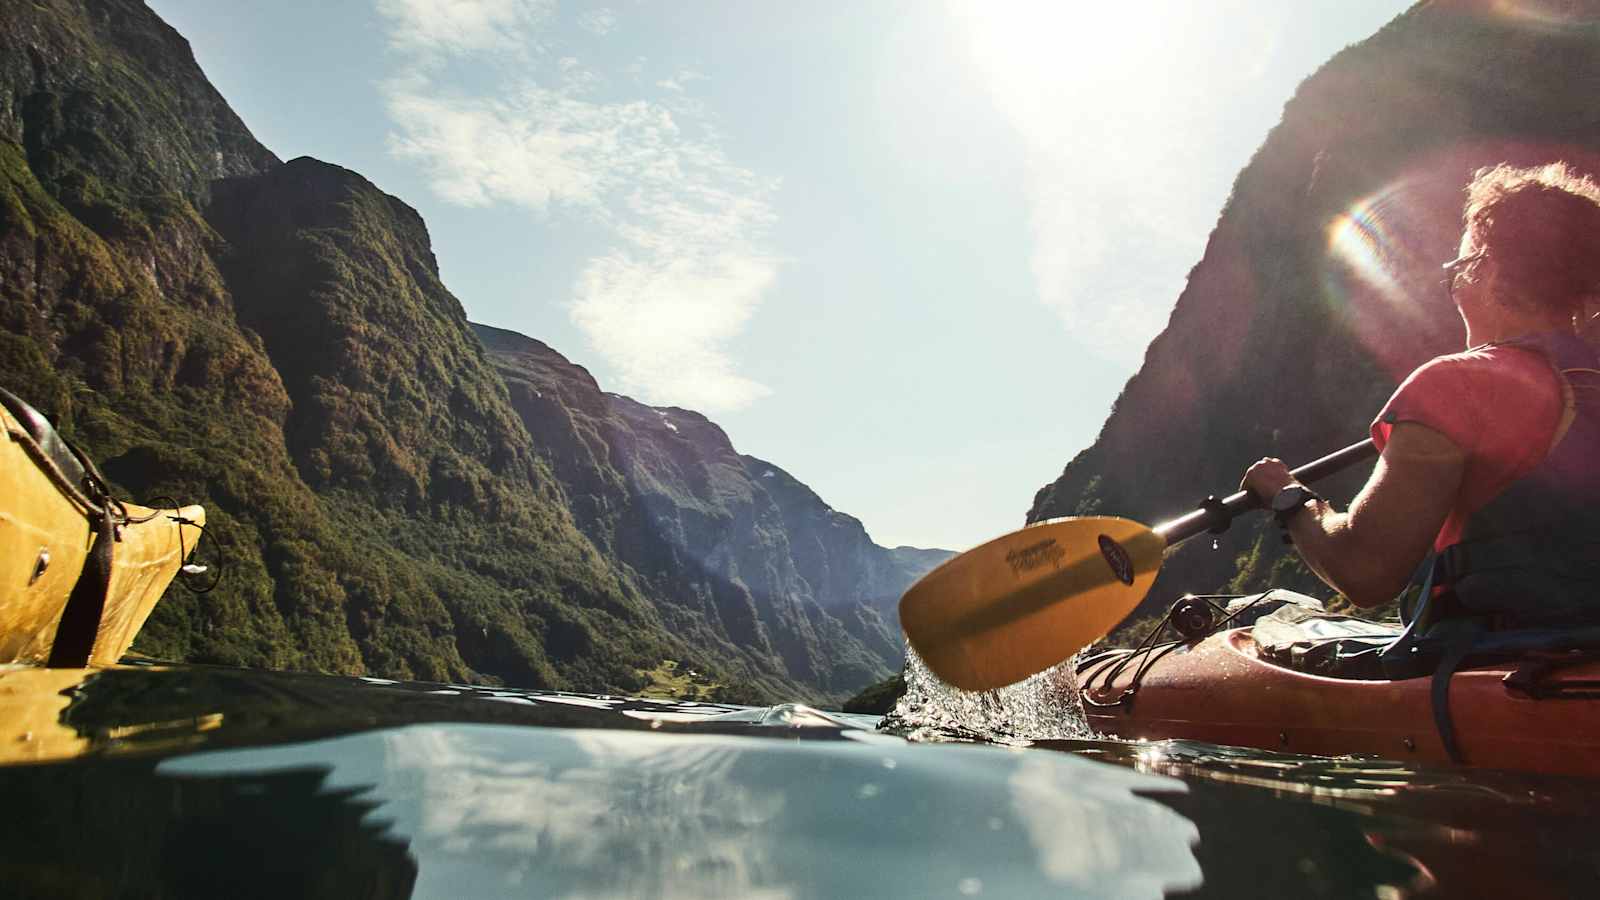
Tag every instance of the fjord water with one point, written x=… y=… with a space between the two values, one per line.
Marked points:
x=162 y=782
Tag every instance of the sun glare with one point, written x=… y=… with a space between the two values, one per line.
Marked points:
x=1128 y=118
x=1036 y=57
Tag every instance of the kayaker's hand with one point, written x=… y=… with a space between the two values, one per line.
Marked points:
x=1265 y=479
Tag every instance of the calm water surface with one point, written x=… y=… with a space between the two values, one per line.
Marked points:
x=199 y=782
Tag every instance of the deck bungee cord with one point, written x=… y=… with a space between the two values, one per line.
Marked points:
x=190 y=572
x=1194 y=617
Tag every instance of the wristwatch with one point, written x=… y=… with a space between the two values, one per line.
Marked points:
x=1290 y=500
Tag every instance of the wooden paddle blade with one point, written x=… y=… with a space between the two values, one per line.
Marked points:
x=1025 y=601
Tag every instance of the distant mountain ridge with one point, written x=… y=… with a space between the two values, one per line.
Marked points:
x=1320 y=288
x=738 y=540
x=273 y=340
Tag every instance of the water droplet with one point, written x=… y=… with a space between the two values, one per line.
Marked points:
x=1216 y=544
x=868 y=791
x=971 y=887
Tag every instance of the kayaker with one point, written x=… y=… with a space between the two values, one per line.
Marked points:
x=1490 y=457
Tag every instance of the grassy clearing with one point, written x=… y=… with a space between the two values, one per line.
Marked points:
x=669 y=681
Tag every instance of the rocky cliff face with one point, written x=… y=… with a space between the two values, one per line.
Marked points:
x=722 y=539
x=273 y=340
x=1320 y=288
x=109 y=104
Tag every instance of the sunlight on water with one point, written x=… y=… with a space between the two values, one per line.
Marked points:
x=1042 y=707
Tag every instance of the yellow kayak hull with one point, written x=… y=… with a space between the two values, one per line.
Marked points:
x=45 y=538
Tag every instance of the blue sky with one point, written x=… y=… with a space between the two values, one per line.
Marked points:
x=910 y=252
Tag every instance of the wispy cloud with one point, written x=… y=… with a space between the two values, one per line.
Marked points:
x=598 y=21
x=679 y=83
x=687 y=264
x=530 y=148
x=462 y=26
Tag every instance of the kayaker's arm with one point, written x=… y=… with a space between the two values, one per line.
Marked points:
x=1369 y=553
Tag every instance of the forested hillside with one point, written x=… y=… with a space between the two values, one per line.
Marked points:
x=273 y=340
x=732 y=538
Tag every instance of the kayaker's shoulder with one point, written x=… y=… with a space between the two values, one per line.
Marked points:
x=1485 y=361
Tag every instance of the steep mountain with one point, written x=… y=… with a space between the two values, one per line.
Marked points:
x=1320 y=287
x=726 y=539
x=273 y=340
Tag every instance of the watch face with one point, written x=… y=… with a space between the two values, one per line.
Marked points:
x=1289 y=498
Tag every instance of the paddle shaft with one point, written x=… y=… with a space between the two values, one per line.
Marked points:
x=1214 y=515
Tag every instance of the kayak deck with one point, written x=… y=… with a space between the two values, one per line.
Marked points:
x=1222 y=691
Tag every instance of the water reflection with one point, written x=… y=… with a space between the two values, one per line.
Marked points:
x=545 y=812
x=1088 y=836
x=1352 y=826
x=104 y=830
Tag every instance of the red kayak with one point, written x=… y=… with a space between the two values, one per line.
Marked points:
x=1222 y=691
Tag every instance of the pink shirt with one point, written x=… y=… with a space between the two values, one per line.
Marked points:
x=1500 y=405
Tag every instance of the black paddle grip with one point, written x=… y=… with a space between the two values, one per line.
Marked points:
x=1213 y=515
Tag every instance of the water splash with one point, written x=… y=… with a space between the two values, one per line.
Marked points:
x=1043 y=707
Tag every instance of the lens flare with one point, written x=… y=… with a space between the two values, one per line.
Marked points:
x=1381 y=277
x=1356 y=238
x=1367 y=240
x=1546 y=14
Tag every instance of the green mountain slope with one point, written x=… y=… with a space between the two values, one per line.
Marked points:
x=727 y=543
x=273 y=340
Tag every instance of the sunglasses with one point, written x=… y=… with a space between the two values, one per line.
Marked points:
x=1454 y=268
x=1458 y=265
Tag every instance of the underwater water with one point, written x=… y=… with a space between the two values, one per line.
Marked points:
x=210 y=782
